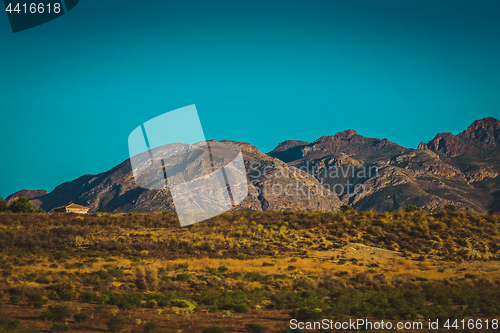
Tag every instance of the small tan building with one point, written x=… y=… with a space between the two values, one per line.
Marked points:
x=72 y=208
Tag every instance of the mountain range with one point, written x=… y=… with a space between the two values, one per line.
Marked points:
x=345 y=168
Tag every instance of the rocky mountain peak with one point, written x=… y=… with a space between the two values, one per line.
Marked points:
x=285 y=145
x=30 y=194
x=422 y=145
x=448 y=144
x=486 y=130
x=345 y=134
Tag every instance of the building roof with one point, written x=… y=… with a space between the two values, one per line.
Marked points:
x=71 y=206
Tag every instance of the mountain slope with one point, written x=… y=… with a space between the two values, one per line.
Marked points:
x=116 y=190
x=345 y=168
x=460 y=169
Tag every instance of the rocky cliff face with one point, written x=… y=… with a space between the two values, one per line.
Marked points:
x=486 y=131
x=345 y=168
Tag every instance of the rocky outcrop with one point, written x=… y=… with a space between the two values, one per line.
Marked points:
x=485 y=130
x=450 y=145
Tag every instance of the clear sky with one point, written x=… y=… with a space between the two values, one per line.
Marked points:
x=263 y=72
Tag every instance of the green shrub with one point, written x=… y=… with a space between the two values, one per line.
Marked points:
x=213 y=309
x=21 y=205
x=183 y=277
x=213 y=329
x=88 y=297
x=346 y=209
x=59 y=327
x=223 y=269
x=9 y=323
x=412 y=208
x=305 y=314
x=115 y=324
x=151 y=327
x=57 y=313
x=37 y=300
x=256 y=328
x=3 y=206
x=66 y=296
x=163 y=302
x=15 y=299
x=182 y=266
x=450 y=207
x=80 y=317
x=240 y=308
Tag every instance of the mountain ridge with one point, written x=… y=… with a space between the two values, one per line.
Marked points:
x=460 y=169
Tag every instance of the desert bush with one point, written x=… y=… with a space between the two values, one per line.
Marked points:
x=306 y=314
x=346 y=209
x=15 y=299
x=151 y=278
x=183 y=277
x=450 y=207
x=115 y=324
x=88 y=296
x=80 y=317
x=223 y=269
x=140 y=280
x=59 y=327
x=57 y=313
x=367 y=279
x=331 y=282
x=9 y=323
x=213 y=329
x=412 y=208
x=240 y=308
x=66 y=296
x=37 y=300
x=151 y=327
x=256 y=328
x=128 y=300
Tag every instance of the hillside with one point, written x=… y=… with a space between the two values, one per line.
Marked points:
x=244 y=268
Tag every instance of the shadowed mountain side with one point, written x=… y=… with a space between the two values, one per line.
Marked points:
x=289 y=150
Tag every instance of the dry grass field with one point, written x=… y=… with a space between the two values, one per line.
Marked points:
x=245 y=271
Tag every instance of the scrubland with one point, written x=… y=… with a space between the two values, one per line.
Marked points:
x=244 y=271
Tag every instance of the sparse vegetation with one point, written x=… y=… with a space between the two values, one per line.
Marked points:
x=213 y=329
x=115 y=324
x=57 y=313
x=133 y=268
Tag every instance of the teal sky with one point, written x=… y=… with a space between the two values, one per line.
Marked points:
x=263 y=72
